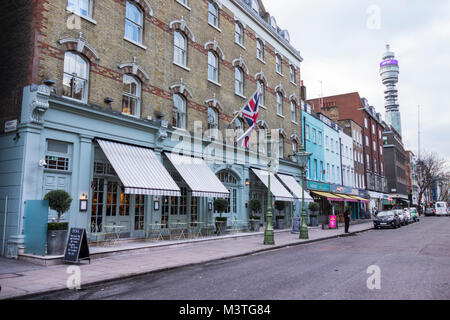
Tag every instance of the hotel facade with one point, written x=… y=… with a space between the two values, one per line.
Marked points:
x=108 y=94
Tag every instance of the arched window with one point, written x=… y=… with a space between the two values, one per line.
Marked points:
x=281 y=147
x=213 y=118
x=131 y=95
x=239 y=125
x=179 y=111
x=213 y=14
x=263 y=93
x=279 y=103
x=239 y=81
x=80 y=7
x=179 y=48
x=260 y=50
x=76 y=77
x=239 y=34
x=294 y=147
x=293 y=74
x=294 y=111
x=134 y=23
x=278 y=64
x=231 y=183
x=213 y=67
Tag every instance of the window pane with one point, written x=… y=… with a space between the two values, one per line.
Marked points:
x=133 y=13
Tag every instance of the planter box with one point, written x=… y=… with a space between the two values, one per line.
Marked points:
x=56 y=242
x=254 y=225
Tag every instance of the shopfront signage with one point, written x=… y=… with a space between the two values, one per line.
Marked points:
x=312 y=185
x=77 y=246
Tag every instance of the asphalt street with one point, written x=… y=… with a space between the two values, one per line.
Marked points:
x=414 y=263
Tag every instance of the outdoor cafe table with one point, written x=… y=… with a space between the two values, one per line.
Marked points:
x=196 y=230
x=157 y=229
x=179 y=229
x=115 y=230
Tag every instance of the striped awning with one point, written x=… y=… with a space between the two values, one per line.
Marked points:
x=294 y=187
x=198 y=176
x=279 y=192
x=329 y=196
x=360 y=199
x=139 y=169
x=346 y=197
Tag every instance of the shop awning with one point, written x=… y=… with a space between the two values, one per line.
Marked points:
x=139 y=169
x=359 y=198
x=279 y=192
x=329 y=196
x=346 y=197
x=199 y=177
x=294 y=187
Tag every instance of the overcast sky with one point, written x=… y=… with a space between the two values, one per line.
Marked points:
x=342 y=42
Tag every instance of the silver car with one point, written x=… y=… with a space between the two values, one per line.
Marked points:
x=403 y=218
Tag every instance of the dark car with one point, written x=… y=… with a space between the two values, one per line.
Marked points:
x=387 y=219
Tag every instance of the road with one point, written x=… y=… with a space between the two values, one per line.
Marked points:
x=414 y=263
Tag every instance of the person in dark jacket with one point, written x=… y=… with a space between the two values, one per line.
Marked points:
x=347 y=219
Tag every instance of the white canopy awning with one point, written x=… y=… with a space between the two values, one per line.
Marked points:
x=199 y=177
x=294 y=186
x=279 y=192
x=139 y=169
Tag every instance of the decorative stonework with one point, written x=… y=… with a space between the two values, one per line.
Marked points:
x=39 y=103
x=261 y=77
x=213 y=103
x=80 y=45
x=295 y=138
x=239 y=62
x=181 y=89
x=134 y=69
x=279 y=88
x=282 y=132
x=214 y=46
x=182 y=26
x=294 y=97
x=144 y=5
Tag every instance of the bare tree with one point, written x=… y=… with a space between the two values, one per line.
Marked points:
x=445 y=188
x=430 y=169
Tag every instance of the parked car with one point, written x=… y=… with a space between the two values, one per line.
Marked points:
x=441 y=208
x=430 y=211
x=414 y=213
x=402 y=217
x=408 y=216
x=387 y=219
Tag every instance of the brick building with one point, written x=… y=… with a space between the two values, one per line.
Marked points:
x=145 y=73
x=352 y=107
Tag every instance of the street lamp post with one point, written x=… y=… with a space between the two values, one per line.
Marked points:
x=268 y=231
x=303 y=158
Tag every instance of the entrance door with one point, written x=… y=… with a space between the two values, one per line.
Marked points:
x=54 y=181
x=117 y=206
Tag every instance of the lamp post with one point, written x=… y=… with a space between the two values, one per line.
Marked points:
x=303 y=158
x=268 y=231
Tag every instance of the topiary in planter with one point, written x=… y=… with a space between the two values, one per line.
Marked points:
x=313 y=207
x=220 y=206
x=254 y=205
x=60 y=201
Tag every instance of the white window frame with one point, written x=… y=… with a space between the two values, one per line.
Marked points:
x=278 y=64
x=74 y=75
x=293 y=74
x=179 y=50
x=239 y=81
x=294 y=111
x=260 y=49
x=138 y=24
x=213 y=69
x=213 y=16
x=179 y=113
x=75 y=7
x=262 y=97
x=130 y=96
x=279 y=98
x=239 y=34
x=281 y=147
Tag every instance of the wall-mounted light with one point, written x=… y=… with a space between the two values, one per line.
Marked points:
x=83 y=202
x=155 y=204
x=210 y=206
x=247 y=182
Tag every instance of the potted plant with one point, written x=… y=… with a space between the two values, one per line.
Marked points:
x=313 y=208
x=59 y=200
x=279 y=205
x=220 y=206
x=255 y=206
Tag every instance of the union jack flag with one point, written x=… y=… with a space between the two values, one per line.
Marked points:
x=250 y=113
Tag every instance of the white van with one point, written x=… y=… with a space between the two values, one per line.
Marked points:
x=441 y=208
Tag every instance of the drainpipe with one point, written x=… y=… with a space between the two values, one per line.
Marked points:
x=4 y=226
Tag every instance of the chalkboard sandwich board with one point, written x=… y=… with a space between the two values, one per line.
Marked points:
x=77 y=246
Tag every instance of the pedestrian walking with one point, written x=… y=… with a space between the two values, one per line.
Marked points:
x=347 y=219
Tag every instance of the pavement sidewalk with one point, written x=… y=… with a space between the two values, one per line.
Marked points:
x=20 y=280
